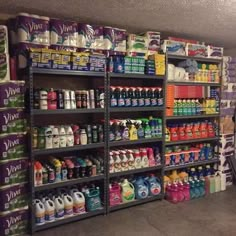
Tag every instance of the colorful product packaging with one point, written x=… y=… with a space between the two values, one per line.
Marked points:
x=215 y=52
x=173 y=47
x=196 y=50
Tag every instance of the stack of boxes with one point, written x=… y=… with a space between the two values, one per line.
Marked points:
x=13 y=163
x=134 y=65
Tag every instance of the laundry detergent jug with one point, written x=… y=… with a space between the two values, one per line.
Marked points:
x=127 y=191
x=68 y=203
x=115 y=194
x=39 y=212
x=141 y=188
x=93 y=201
x=49 y=209
x=154 y=185
x=78 y=201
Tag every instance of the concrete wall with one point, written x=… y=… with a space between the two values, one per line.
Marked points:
x=230 y=52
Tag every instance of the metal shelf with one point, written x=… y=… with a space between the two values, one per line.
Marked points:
x=133 y=109
x=139 y=141
x=67 y=149
x=193 y=83
x=136 y=76
x=200 y=59
x=68 y=182
x=67 y=72
x=197 y=163
x=135 y=171
x=135 y=202
x=192 y=117
x=191 y=141
x=68 y=220
x=65 y=111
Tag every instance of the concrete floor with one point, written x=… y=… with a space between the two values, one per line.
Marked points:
x=213 y=215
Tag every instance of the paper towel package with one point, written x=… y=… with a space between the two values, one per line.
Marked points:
x=173 y=47
x=90 y=36
x=120 y=40
x=63 y=32
x=196 y=50
x=4 y=68
x=3 y=39
x=153 y=40
x=32 y=29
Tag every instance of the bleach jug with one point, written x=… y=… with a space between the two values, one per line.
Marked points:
x=59 y=207
x=141 y=188
x=93 y=201
x=68 y=203
x=154 y=185
x=127 y=191
x=115 y=194
x=223 y=181
x=49 y=209
x=217 y=182
x=39 y=212
x=78 y=201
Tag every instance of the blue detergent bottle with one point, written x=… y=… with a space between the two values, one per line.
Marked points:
x=141 y=188
x=202 y=187
x=197 y=188
x=154 y=185
x=192 y=189
x=93 y=200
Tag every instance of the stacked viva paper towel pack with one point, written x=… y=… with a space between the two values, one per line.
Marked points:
x=4 y=56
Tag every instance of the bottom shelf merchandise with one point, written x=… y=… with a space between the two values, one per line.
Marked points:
x=191 y=184
x=138 y=188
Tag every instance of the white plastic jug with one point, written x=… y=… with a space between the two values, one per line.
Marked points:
x=49 y=209
x=78 y=201
x=223 y=181
x=59 y=207
x=62 y=134
x=117 y=164
x=55 y=137
x=217 y=182
x=39 y=212
x=48 y=137
x=68 y=203
x=69 y=137
x=124 y=161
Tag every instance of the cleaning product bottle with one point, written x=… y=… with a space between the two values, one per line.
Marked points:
x=197 y=188
x=62 y=139
x=117 y=164
x=137 y=159
x=59 y=207
x=83 y=137
x=217 y=182
x=111 y=163
x=154 y=185
x=223 y=181
x=181 y=196
x=144 y=158
x=39 y=212
x=166 y=182
x=174 y=198
x=141 y=188
x=174 y=177
x=183 y=176
x=115 y=194
x=49 y=209
x=55 y=137
x=69 y=137
x=68 y=203
x=202 y=187
x=151 y=159
x=124 y=160
x=48 y=137
x=157 y=155
x=92 y=199
x=133 y=133
x=127 y=191
x=38 y=173
x=78 y=201
x=147 y=129
x=212 y=183
x=57 y=166
x=64 y=171
x=167 y=135
x=131 y=161
x=186 y=191
x=192 y=189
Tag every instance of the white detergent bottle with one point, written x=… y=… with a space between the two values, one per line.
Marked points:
x=117 y=162
x=48 y=137
x=68 y=203
x=130 y=159
x=49 y=209
x=55 y=137
x=217 y=182
x=144 y=158
x=78 y=201
x=69 y=137
x=137 y=159
x=62 y=138
x=223 y=181
x=59 y=207
x=72 y=100
x=111 y=163
x=124 y=161
x=39 y=212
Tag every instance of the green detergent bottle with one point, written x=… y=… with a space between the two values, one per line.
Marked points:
x=127 y=191
x=147 y=128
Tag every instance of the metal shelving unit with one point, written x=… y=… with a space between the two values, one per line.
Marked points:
x=133 y=109
x=199 y=59
x=191 y=141
x=190 y=83
x=69 y=111
x=136 y=76
x=192 y=117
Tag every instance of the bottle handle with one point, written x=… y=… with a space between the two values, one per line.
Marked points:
x=131 y=185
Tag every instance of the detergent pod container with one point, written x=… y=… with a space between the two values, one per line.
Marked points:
x=154 y=185
x=39 y=212
x=115 y=194
x=78 y=201
x=141 y=188
x=127 y=191
x=59 y=207
x=49 y=209
x=93 y=200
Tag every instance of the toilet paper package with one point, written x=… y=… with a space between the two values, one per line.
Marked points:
x=13 y=171
x=12 y=121
x=12 y=94
x=3 y=39
x=173 y=47
x=12 y=146
x=13 y=197
x=4 y=68
x=14 y=223
x=90 y=36
x=215 y=52
x=171 y=72
x=32 y=29
x=63 y=33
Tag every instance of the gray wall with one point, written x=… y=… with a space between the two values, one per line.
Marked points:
x=230 y=52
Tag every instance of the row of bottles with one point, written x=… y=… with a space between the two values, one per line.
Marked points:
x=64 y=203
x=188 y=107
x=136 y=96
x=180 y=155
x=135 y=129
x=56 y=170
x=50 y=99
x=129 y=159
x=138 y=188
x=194 y=130
x=67 y=136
